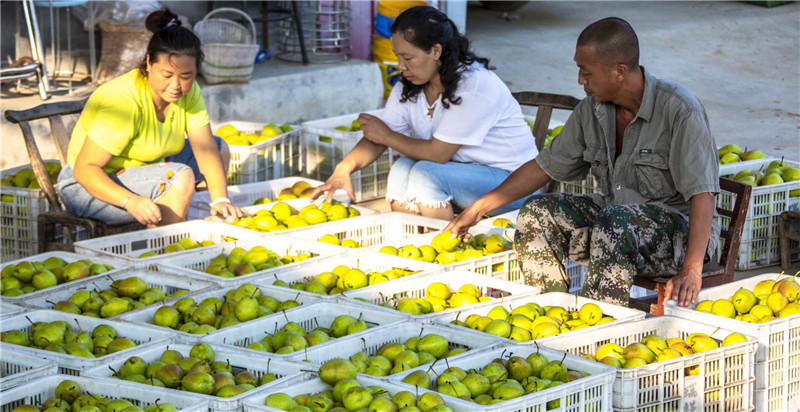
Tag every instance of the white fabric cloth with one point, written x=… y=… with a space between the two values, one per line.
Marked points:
x=488 y=123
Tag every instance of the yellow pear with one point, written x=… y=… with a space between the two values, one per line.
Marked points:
x=733 y=338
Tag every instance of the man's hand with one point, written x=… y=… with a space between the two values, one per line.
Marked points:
x=466 y=219
x=338 y=180
x=375 y=130
x=684 y=287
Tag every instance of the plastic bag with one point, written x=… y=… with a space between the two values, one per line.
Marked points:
x=116 y=12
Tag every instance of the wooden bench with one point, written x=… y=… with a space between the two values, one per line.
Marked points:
x=714 y=273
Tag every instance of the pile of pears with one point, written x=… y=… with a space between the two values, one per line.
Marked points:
x=348 y=394
x=200 y=372
x=769 y=300
x=28 y=276
x=777 y=172
x=732 y=153
x=446 y=249
x=281 y=216
x=25 y=178
x=551 y=133
x=438 y=297
x=654 y=348
x=343 y=278
x=237 y=305
x=68 y=396
x=58 y=336
x=179 y=246
x=297 y=190
x=292 y=337
x=241 y=262
x=531 y=321
x=234 y=137
x=503 y=379
x=124 y=295
x=396 y=357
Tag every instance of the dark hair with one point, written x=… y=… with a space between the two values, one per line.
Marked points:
x=424 y=27
x=614 y=41
x=170 y=38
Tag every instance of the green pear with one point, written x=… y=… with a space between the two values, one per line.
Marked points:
x=198 y=382
x=202 y=351
x=68 y=391
x=336 y=369
x=131 y=287
x=418 y=378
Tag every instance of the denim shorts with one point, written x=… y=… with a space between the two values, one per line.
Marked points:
x=434 y=184
x=151 y=181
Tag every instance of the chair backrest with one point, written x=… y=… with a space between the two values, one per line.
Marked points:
x=545 y=102
x=53 y=112
x=731 y=237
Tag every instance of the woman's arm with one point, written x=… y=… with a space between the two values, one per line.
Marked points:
x=434 y=150
x=89 y=173
x=364 y=153
x=210 y=163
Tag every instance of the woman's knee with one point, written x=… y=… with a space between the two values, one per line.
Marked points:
x=183 y=183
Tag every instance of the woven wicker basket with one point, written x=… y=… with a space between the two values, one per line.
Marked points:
x=230 y=49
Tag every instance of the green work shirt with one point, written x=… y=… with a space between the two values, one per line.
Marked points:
x=668 y=156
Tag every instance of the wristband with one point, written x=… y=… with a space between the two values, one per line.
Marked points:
x=218 y=201
x=125 y=202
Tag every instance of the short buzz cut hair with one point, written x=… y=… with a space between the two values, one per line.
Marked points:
x=614 y=41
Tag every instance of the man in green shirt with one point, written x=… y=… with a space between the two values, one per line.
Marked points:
x=648 y=145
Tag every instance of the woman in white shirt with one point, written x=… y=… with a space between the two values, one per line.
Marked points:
x=459 y=129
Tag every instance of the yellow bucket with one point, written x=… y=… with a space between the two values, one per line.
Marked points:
x=382 y=49
x=393 y=8
x=391 y=75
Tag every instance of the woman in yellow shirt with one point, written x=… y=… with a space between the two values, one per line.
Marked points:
x=128 y=158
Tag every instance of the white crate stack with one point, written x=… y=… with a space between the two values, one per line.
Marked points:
x=777 y=361
x=724 y=380
x=326 y=147
x=592 y=392
x=19 y=208
x=143 y=336
x=372 y=340
x=414 y=287
x=18 y=368
x=144 y=316
x=760 y=239
x=129 y=246
x=569 y=302
x=38 y=391
x=258 y=366
x=276 y=157
x=308 y=317
x=161 y=277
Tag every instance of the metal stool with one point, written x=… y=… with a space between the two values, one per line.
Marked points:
x=55 y=7
x=36 y=66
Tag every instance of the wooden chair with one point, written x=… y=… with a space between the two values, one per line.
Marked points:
x=57 y=215
x=787 y=236
x=714 y=273
x=545 y=103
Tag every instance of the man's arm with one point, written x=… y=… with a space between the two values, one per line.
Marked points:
x=524 y=181
x=684 y=286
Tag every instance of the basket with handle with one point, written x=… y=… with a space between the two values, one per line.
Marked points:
x=230 y=48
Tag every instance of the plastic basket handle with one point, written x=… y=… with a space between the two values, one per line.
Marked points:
x=235 y=11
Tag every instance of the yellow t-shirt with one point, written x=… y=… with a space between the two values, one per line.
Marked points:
x=120 y=117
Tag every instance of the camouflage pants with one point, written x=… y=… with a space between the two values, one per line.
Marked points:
x=616 y=242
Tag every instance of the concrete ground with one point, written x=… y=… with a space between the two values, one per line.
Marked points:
x=741 y=60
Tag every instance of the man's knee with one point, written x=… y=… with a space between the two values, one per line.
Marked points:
x=614 y=216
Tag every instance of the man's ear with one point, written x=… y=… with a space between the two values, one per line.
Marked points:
x=621 y=71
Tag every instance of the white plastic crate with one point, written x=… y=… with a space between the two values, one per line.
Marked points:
x=17 y=368
x=569 y=302
x=374 y=229
x=162 y=277
x=69 y=257
x=74 y=365
x=592 y=392
x=724 y=381
x=300 y=385
x=8 y=309
x=144 y=316
x=778 y=355
x=326 y=147
x=760 y=236
x=307 y=316
x=373 y=339
x=276 y=157
x=729 y=168
x=414 y=287
x=40 y=390
x=244 y=195
x=239 y=360
x=282 y=245
x=19 y=209
x=130 y=245
x=367 y=261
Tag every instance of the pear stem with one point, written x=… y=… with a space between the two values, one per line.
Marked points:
x=270 y=360
x=79 y=324
x=364 y=342
x=359 y=316
x=537 y=346
x=422 y=330
x=112 y=370
x=50 y=302
x=565 y=357
x=29 y=320
x=715 y=331
x=286 y=317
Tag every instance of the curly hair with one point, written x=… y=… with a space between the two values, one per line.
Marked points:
x=169 y=38
x=424 y=27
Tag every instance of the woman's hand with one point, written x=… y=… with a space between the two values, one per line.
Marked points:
x=144 y=210
x=338 y=180
x=375 y=130
x=225 y=209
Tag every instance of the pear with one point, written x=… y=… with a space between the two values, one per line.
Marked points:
x=131 y=287
x=356 y=398
x=202 y=351
x=133 y=366
x=68 y=391
x=518 y=368
x=336 y=369
x=418 y=378
x=639 y=350
x=429 y=400
x=434 y=344
x=198 y=382
x=280 y=401
x=167 y=317
x=120 y=344
x=554 y=368
x=171 y=374
x=114 y=307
